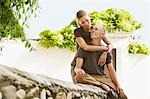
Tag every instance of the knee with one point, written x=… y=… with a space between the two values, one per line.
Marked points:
x=78 y=78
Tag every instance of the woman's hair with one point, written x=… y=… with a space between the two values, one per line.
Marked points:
x=80 y=14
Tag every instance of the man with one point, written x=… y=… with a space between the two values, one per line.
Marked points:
x=88 y=71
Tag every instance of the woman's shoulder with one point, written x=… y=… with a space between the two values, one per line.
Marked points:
x=78 y=32
x=78 y=29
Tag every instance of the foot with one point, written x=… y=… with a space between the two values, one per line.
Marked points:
x=111 y=95
x=123 y=97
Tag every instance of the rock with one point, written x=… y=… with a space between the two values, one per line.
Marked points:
x=50 y=98
x=43 y=94
x=1 y=95
x=56 y=89
x=36 y=98
x=61 y=95
x=77 y=94
x=30 y=84
x=88 y=97
x=21 y=94
x=83 y=97
x=48 y=92
x=9 y=92
x=95 y=96
x=32 y=91
x=4 y=83
x=70 y=95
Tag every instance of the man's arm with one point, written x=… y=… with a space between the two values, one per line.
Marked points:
x=102 y=58
x=108 y=42
x=87 y=47
x=112 y=73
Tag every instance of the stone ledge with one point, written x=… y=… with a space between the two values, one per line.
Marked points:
x=16 y=84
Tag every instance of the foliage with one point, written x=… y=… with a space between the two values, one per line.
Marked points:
x=13 y=17
x=116 y=20
x=67 y=33
x=137 y=48
x=49 y=38
x=61 y=39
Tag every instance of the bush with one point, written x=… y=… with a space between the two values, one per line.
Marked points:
x=68 y=35
x=49 y=38
x=137 y=48
x=116 y=20
x=61 y=39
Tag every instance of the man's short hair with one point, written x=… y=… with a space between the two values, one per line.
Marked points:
x=80 y=14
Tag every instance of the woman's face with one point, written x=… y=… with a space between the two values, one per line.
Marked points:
x=85 y=22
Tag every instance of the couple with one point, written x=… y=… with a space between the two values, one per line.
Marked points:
x=92 y=56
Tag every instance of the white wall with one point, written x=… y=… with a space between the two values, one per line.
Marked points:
x=132 y=70
x=133 y=73
x=52 y=62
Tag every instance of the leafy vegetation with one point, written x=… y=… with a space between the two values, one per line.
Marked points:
x=13 y=17
x=112 y=19
x=49 y=38
x=61 y=39
x=116 y=20
x=137 y=48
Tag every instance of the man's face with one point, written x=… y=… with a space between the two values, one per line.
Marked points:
x=96 y=32
x=85 y=22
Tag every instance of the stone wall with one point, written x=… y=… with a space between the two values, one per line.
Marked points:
x=16 y=84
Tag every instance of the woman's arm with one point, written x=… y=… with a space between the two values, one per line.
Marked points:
x=78 y=68
x=79 y=63
x=87 y=47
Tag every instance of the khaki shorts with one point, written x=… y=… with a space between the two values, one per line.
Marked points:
x=94 y=80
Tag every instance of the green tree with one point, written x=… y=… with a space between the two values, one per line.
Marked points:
x=13 y=17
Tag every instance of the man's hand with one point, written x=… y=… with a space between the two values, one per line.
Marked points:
x=79 y=73
x=102 y=59
x=104 y=48
x=110 y=47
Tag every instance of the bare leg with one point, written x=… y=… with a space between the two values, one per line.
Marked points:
x=105 y=87
x=110 y=93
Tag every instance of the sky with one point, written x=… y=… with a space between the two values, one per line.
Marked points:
x=56 y=14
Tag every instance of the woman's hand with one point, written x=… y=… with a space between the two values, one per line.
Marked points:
x=102 y=59
x=79 y=73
